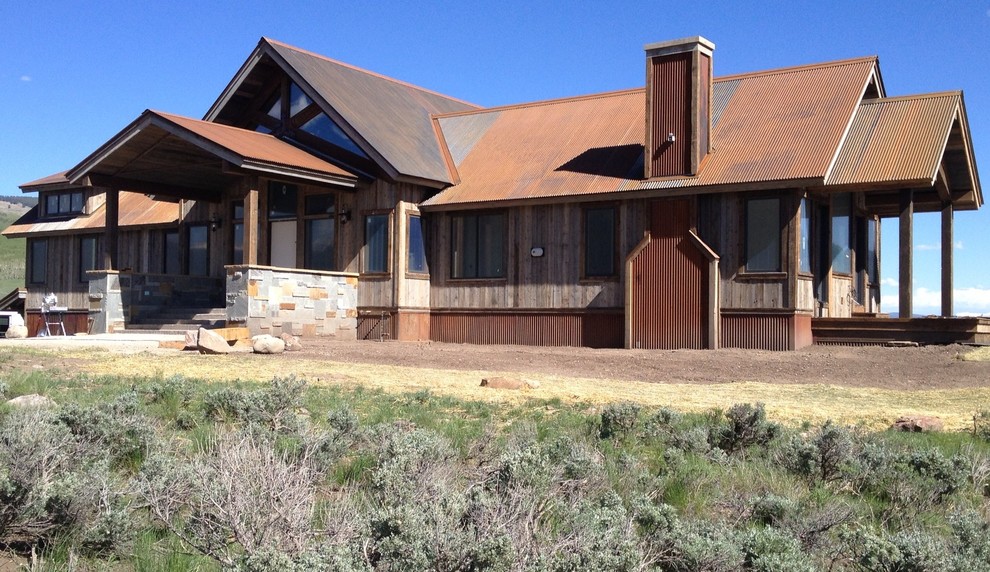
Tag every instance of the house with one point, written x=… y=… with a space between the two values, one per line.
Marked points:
x=321 y=199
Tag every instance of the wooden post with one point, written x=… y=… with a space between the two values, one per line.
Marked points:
x=249 y=244
x=110 y=242
x=947 y=260
x=905 y=308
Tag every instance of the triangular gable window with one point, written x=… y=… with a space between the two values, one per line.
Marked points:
x=298 y=101
x=323 y=127
x=275 y=111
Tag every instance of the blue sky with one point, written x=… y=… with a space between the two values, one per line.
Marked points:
x=72 y=74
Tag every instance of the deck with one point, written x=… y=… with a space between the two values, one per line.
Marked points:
x=881 y=331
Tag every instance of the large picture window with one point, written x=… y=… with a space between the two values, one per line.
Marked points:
x=804 y=252
x=321 y=226
x=237 y=242
x=376 y=243
x=841 y=253
x=478 y=246
x=87 y=256
x=599 y=242
x=171 y=255
x=199 y=250
x=416 y=256
x=763 y=235
x=38 y=247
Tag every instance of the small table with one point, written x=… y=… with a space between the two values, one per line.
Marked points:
x=54 y=317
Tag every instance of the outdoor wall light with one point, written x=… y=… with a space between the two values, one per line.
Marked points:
x=344 y=216
x=215 y=222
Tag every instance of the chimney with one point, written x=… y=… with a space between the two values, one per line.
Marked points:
x=678 y=106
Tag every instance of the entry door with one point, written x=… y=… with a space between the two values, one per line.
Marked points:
x=669 y=288
x=283 y=241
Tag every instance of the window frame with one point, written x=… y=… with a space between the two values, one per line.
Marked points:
x=850 y=216
x=502 y=263
x=305 y=219
x=585 y=210
x=779 y=269
x=83 y=276
x=425 y=273
x=61 y=198
x=365 y=247
x=31 y=278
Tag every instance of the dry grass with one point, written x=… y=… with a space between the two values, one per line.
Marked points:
x=978 y=354
x=787 y=403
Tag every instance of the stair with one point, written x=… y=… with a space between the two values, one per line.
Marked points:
x=178 y=320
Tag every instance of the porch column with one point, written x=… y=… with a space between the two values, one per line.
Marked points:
x=947 y=260
x=250 y=242
x=110 y=232
x=905 y=308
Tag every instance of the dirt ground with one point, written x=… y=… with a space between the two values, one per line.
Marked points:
x=912 y=368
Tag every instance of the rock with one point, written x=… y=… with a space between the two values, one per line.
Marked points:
x=918 y=423
x=32 y=400
x=211 y=343
x=192 y=339
x=265 y=344
x=503 y=383
x=291 y=342
x=532 y=384
x=16 y=332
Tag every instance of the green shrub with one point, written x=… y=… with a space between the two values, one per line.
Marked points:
x=117 y=427
x=272 y=408
x=772 y=550
x=823 y=458
x=745 y=425
x=618 y=419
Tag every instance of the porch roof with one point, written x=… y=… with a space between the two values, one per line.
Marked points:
x=136 y=211
x=179 y=156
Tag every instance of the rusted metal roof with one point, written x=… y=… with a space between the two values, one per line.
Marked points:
x=136 y=210
x=169 y=149
x=389 y=119
x=775 y=126
x=51 y=182
x=904 y=141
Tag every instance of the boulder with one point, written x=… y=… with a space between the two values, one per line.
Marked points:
x=918 y=424
x=291 y=342
x=211 y=343
x=192 y=339
x=265 y=344
x=32 y=400
x=17 y=332
x=503 y=383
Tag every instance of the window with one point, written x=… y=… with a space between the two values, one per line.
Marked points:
x=282 y=200
x=199 y=254
x=323 y=127
x=172 y=259
x=237 y=216
x=599 y=242
x=804 y=251
x=321 y=226
x=376 y=243
x=60 y=204
x=87 y=256
x=478 y=246
x=416 y=257
x=39 y=260
x=872 y=272
x=763 y=235
x=841 y=254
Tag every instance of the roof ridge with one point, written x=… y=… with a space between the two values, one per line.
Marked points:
x=368 y=72
x=542 y=102
x=911 y=97
x=804 y=67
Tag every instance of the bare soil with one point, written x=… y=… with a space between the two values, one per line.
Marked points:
x=910 y=368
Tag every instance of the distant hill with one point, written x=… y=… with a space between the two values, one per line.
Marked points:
x=12 y=249
x=17 y=204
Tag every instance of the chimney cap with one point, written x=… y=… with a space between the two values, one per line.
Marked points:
x=678 y=46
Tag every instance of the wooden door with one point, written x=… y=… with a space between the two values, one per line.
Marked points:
x=669 y=283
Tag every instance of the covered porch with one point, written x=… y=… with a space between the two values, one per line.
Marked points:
x=225 y=261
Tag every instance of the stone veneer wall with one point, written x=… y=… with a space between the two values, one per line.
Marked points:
x=273 y=301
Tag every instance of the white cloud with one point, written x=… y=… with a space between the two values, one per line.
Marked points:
x=965 y=301
x=959 y=245
x=927 y=247
x=892 y=282
x=25 y=78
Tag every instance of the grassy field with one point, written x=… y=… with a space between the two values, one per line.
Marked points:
x=11 y=256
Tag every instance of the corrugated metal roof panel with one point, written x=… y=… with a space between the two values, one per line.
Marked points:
x=896 y=139
x=781 y=125
x=136 y=210
x=395 y=118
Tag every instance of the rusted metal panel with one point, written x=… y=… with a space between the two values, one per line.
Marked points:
x=590 y=329
x=669 y=287
x=136 y=210
x=896 y=139
x=774 y=126
x=704 y=104
x=670 y=115
x=758 y=331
